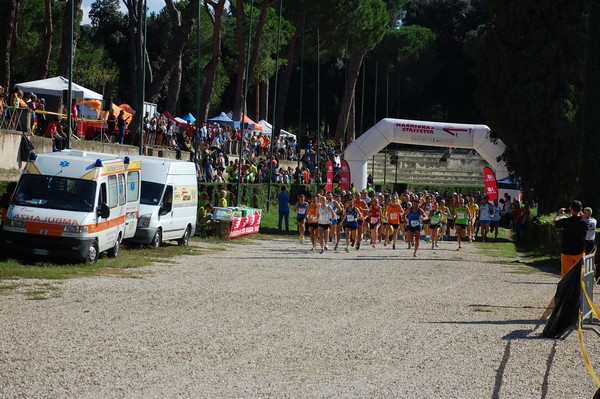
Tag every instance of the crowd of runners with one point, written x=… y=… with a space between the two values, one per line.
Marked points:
x=392 y=219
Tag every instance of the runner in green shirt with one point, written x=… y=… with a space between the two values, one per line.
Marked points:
x=462 y=217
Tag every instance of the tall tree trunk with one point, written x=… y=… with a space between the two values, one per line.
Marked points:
x=175 y=79
x=180 y=37
x=257 y=99
x=238 y=12
x=174 y=88
x=47 y=49
x=133 y=13
x=7 y=39
x=63 y=58
x=258 y=33
x=264 y=102
x=211 y=69
x=260 y=27
x=355 y=61
x=284 y=88
x=351 y=129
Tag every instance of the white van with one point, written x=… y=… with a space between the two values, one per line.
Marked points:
x=169 y=201
x=73 y=204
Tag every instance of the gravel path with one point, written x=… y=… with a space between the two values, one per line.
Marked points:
x=273 y=319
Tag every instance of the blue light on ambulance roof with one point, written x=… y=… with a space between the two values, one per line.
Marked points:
x=32 y=156
x=126 y=160
x=98 y=163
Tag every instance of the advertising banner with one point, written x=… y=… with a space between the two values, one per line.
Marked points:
x=329 y=184
x=344 y=175
x=491 y=185
x=243 y=225
x=434 y=134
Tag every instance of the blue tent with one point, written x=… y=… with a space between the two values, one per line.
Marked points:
x=189 y=118
x=222 y=118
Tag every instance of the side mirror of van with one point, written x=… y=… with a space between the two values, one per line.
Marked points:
x=104 y=210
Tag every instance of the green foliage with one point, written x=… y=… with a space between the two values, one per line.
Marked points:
x=533 y=102
x=448 y=94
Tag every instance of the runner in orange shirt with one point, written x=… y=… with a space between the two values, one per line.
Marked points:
x=312 y=213
x=394 y=212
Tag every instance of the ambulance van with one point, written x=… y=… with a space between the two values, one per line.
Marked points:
x=73 y=205
x=169 y=201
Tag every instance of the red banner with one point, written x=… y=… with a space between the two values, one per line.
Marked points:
x=241 y=226
x=491 y=185
x=344 y=175
x=329 y=185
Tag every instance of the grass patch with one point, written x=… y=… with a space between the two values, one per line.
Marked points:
x=500 y=248
x=130 y=258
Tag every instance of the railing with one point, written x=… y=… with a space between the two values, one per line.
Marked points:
x=18 y=119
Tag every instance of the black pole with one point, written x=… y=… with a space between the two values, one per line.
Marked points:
x=301 y=98
x=246 y=79
x=70 y=84
x=318 y=109
x=274 y=108
x=375 y=99
x=143 y=84
x=362 y=97
x=198 y=78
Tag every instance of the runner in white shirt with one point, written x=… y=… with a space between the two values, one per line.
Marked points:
x=324 y=215
x=335 y=222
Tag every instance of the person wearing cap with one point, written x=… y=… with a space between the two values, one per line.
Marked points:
x=573 y=238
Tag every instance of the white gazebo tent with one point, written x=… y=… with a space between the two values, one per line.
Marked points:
x=268 y=128
x=56 y=86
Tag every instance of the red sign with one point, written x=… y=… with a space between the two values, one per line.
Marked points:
x=344 y=175
x=491 y=186
x=241 y=226
x=329 y=185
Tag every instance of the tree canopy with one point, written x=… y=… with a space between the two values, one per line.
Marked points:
x=528 y=70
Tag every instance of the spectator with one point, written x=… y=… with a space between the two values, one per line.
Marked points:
x=209 y=172
x=111 y=123
x=574 y=235
x=284 y=208
x=590 y=237
x=121 y=124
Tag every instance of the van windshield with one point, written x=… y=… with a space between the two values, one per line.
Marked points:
x=55 y=192
x=151 y=193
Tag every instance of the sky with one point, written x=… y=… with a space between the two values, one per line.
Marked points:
x=153 y=6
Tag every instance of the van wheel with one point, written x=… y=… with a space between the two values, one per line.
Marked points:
x=185 y=238
x=157 y=240
x=114 y=251
x=93 y=254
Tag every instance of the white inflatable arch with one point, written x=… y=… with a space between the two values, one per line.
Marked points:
x=434 y=134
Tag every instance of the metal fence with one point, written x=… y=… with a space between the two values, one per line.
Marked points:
x=18 y=119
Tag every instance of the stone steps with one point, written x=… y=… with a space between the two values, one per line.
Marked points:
x=429 y=167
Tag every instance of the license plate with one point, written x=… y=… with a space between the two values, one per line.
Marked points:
x=40 y=251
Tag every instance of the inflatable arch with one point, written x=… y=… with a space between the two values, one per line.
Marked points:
x=434 y=134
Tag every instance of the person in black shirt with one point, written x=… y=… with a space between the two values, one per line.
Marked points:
x=573 y=239
x=111 y=123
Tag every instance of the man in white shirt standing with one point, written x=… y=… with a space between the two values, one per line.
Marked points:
x=590 y=237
